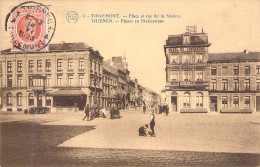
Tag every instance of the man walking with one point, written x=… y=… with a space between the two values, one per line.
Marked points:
x=152 y=122
x=144 y=109
x=87 y=109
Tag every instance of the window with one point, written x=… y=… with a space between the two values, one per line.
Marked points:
x=59 y=64
x=186 y=75
x=1 y=83
x=48 y=79
x=173 y=59
x=236 y=84
x=9 y=66
x=174 y=75
x=247 y=101
x=19 y=99
x=1 y=67
x=91 y=65
x=81 y=79
x=30 y=81
x=9 y=99
x=70 y=79
x=213 y=84
x=224 y=84
x=199 y=75
x=48 y=100
x=247 y=84
x=224 y=70
x=31 y=99
x=70 y=64
x=186 y=58
x=199 y=58
x=236 y=101
x=95 y=66
x=19 y=80
x=37 y=82
x=19 y=65
x=258 y=84
x=59 y=80
x=9 y=81
x=30 y=65
x=199 y=100
x=236 y=70
x=257 y=69
x=39 y=65
x=224 y=101
x=81 y=64
x=48 y=65
x=99 y=69
x=213 y=71
x=247 y=70
x=186 y=100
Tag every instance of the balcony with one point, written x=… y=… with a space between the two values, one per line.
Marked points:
x=188 y=84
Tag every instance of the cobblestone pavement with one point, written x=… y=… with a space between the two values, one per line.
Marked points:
x=34 y=142
x=237 y=133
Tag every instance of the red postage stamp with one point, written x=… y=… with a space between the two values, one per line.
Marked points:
x=29 y=28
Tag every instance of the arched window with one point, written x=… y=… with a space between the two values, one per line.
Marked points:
x=186 y=100
x=199 y=100
x=9 y=98
x=31 y=100
x=19 y=99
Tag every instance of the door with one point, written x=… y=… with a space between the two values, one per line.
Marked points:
x=174 y=103
x=257 y=103
x=214 y=103
x=39 y=100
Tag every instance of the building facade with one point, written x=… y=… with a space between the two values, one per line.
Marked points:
x=199 y=82
x=61 y=79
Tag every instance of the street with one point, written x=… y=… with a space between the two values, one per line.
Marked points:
x=63 y=139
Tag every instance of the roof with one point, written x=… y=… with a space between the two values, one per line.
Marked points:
x=233 y=57
x=61 y=47
x=68 y=46
x=187 y=39
x=68 y=92
x=110 y=68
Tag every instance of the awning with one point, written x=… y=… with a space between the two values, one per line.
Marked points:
x=68 y=92
x=235 y=110
x=194 y=110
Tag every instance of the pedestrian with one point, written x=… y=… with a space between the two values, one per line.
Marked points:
x=152 y=122
x=87 y=110
x=167 y=110
x=142 y=130
x=144 y=109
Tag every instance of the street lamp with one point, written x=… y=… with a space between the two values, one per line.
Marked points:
x=96 y=82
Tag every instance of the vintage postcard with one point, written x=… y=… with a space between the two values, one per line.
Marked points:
x=129 y=83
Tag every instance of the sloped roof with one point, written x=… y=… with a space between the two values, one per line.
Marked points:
x=110 y=68
x=68 y=46
x=233 y=57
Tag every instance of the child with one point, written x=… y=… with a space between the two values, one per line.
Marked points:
x=142 y=130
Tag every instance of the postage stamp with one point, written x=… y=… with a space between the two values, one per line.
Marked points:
x=32 y=27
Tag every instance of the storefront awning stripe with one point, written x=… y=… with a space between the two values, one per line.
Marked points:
x=68 y=92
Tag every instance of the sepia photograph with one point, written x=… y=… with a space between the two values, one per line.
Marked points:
x=129 y=83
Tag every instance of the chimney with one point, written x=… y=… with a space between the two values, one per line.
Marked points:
x=202 y=30
x=246 y=51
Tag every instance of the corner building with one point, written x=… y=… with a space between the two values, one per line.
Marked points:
x=187 y=87
x=69 y=75
x=199 y=82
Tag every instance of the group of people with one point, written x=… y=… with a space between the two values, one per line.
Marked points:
x=143 y=131
x=92 y=112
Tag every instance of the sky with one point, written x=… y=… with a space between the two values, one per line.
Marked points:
x=232 y=26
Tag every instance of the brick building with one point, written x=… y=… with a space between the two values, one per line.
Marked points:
x=68 y=75
x=197 y=81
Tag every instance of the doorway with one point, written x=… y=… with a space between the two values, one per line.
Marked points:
x=174 y=103
x=214 y=103
x=39 y=100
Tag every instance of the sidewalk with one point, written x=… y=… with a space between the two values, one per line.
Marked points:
x=184 y=132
